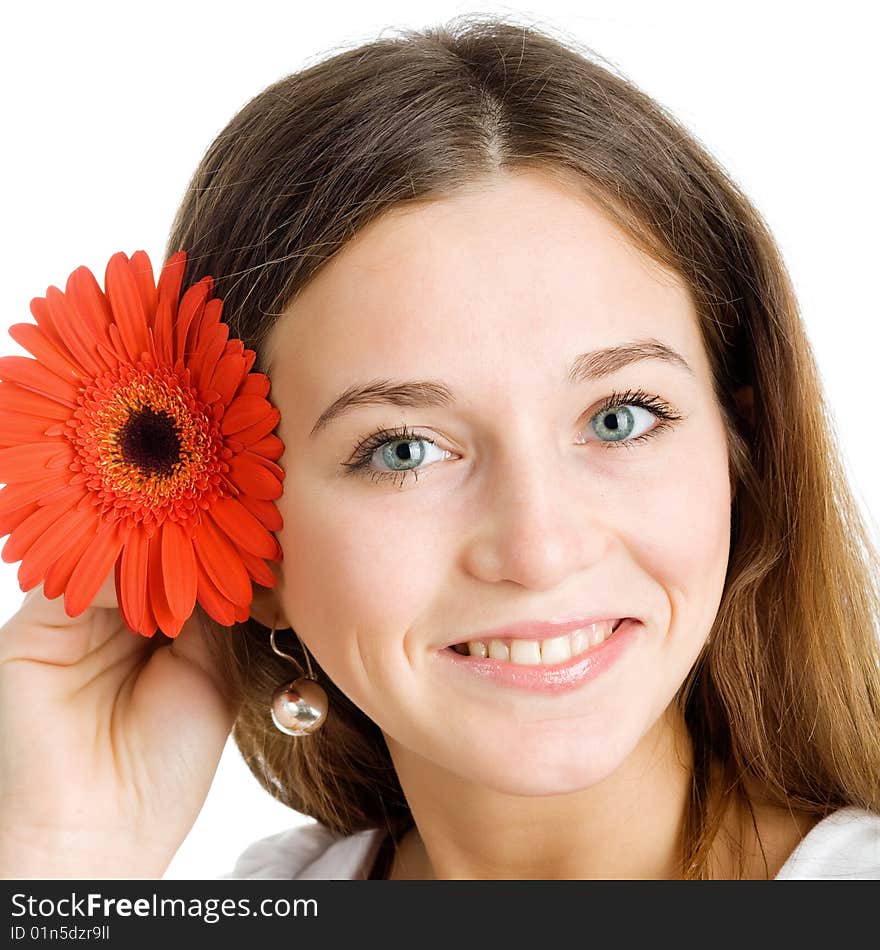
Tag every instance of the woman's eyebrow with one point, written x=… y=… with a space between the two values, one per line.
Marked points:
x=417 y=394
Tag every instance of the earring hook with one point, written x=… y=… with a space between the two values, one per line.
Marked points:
x=287 y=656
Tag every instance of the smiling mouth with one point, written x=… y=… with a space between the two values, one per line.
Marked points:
x=546 y=652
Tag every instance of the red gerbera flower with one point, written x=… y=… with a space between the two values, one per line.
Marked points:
x=138 y=437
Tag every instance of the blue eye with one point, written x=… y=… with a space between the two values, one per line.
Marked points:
x=400 y=449
x=400 y=452
x=403 y=451
x=619 y=423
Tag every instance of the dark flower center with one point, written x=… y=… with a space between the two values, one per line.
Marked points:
x=149 y=441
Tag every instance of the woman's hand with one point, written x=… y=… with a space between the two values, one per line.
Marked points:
x=109 y=741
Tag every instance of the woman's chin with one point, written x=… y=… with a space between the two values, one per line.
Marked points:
x=546 y=771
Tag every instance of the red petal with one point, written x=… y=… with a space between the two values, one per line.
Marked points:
x=35 y=341
x=41 y=313
x=171 y=279
x=53 y=544
x=142 y=270
x=252 y=477
x=207 y=330
x=234 y=347
x=74 y=492
x=15 y=399
x=243 y=529
x=117 y=346
x=163 y=333
x=214 y=603
x=18 y=429
x=17 y=496
x=221 y=562
x=59 y=573
x=149 y=624
x=10 y=521
x=169 y=623
x=28 y=462
x=34 y=376
x=227 y=376
x=178 y=569
x=268 y=464
x=207 y=352
x=255 y=384
x=128 y=309
x=190 y=310
x=71 y=328
x=260 y=429
x=266 y=511
x=131 y=579
x=32 y=527
x=270 y=447
x=87 y=298
x=244 y=412
x=258 y=569
x=93 y=568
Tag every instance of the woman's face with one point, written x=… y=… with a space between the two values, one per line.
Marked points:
x=520 y=510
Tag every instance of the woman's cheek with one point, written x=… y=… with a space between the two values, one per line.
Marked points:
x=679 y=534
x=351 y=567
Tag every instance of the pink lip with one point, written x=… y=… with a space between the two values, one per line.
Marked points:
x=560 y=677
x=534 y=630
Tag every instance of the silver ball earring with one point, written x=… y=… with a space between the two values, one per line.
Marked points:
x=299 y=707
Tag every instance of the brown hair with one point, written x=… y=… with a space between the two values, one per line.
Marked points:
x=786 y=692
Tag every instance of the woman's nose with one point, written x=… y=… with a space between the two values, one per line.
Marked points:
x=537 y=523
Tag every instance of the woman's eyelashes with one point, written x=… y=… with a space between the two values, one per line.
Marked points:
x=615 y=422
x=392 y=446
x=619 y=422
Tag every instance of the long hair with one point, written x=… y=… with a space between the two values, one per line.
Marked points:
x=785 y=695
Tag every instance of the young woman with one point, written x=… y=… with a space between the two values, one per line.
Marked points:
x=567 y=539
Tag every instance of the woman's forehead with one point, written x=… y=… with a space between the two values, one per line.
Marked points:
x=525 y=265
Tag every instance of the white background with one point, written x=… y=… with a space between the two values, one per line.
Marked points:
x=108 y=107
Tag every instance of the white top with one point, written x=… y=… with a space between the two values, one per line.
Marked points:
x=843 y=846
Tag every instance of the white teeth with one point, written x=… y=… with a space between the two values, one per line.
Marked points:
x=596 y=635
x=542 y=652
x=525 y=651
x=556 y=650
x=580 y=640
